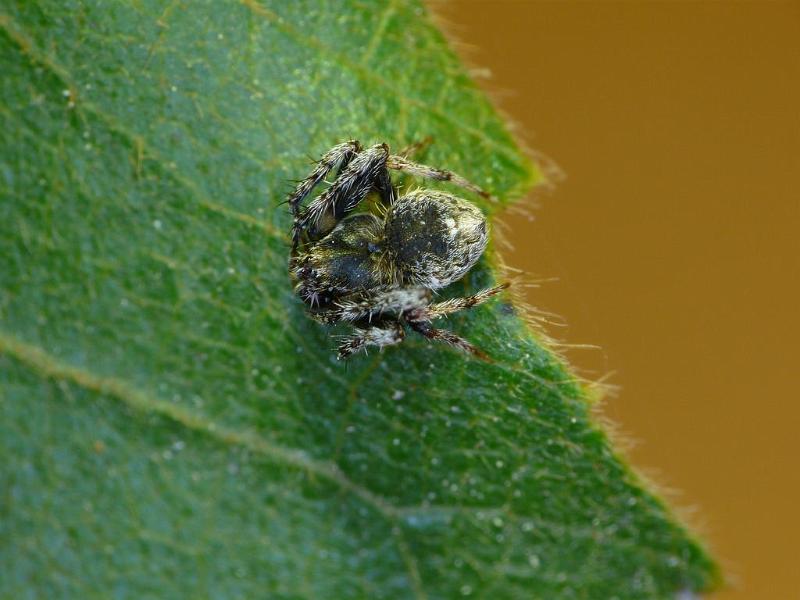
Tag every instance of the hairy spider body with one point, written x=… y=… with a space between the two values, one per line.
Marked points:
x=377 y=270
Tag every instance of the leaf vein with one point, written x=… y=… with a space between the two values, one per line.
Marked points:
x=137 y=141
x=383 y=21
x=304 y=39
x=52 y=367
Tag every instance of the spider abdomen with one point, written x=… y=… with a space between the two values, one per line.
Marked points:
x=434 y=237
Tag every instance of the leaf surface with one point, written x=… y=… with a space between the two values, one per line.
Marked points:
x=173 y=426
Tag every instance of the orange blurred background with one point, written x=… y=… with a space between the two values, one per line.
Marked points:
x=673 y=240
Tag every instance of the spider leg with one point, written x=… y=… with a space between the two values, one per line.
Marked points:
x=408 y=304
x=364 y=173
x=385 y=188
x=448 y=337
x=441 y=309
x=401 y=163
x=341 y=155
x=397 y=301
x=388 y=334
x=419 y=319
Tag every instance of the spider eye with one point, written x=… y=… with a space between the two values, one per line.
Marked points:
x=373 y=247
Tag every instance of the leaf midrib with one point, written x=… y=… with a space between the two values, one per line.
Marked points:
x=52 y=367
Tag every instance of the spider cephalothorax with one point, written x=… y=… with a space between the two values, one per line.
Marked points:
x=377 y=269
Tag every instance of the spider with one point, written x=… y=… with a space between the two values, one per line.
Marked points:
x=377 y=268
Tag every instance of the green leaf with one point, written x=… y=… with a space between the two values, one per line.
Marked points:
x=174 y=426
